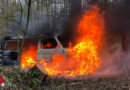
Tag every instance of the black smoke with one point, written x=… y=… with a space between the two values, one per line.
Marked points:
x=117 y=16
x=43 y=26
x=48 y=25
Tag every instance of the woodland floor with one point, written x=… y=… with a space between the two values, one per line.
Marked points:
x=35 y=80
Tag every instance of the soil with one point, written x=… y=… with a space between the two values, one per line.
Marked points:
x=15 y=79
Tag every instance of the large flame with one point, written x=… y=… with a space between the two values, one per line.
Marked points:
x=82 y=59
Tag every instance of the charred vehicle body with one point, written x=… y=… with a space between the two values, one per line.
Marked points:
x=9 y=50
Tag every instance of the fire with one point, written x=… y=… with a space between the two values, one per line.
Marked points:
x=82 y=59
x=57 y=46
x=48 y=45
x=29 y=57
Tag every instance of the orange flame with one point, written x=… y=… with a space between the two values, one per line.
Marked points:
x=29 y=57
x=82 y=59
x=48 y=45
x=57 y=46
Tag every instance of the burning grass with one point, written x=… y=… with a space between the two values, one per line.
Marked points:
x=35 y=80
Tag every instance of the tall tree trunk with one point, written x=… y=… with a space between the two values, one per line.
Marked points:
x=26 y=29
x=19 y=29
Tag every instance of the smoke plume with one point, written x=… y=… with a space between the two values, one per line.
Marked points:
x=112 y=56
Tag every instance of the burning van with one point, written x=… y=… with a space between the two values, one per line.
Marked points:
x=9 y=48
x=80 y=59
x=44 y=47
x=76 y=60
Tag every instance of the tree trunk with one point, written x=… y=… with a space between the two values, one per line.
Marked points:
x=26 y=29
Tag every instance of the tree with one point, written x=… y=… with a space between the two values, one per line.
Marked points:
x=26 y=29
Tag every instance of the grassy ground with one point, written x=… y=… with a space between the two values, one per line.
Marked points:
x=35 y=80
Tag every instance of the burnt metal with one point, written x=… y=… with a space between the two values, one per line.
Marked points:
x=8 y=57
x=48 y=53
